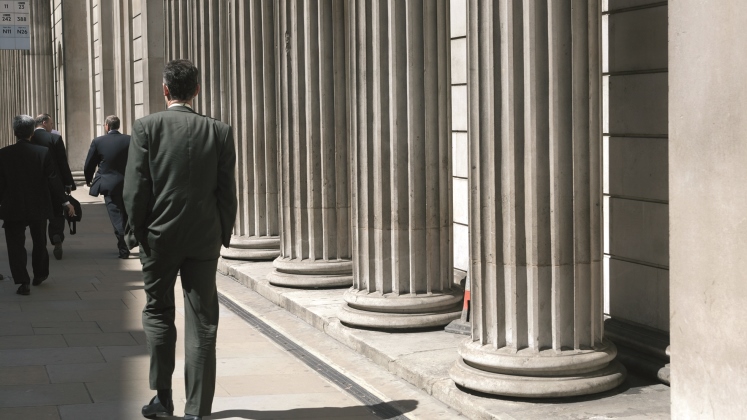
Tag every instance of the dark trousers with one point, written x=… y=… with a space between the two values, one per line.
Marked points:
x=118 y=217
x=15 y=238
x=200 y=324
x=56 y=227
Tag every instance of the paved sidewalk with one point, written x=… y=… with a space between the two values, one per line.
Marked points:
x=74 y=348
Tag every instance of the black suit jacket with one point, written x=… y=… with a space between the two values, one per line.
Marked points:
x=109 y=153
x=29 y=184
x=59 y=155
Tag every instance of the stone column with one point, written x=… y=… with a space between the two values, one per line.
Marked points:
x=103 y=57
x=401 y=166
x=74 y=102
x=40 y=60
x=535 y=202
x=314 y=192
x=707 y=232
x=254 y=120
x=123 y=68
x=149 y=50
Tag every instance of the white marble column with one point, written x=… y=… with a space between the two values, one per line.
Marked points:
x=253 y=116
x=535 y=202
x=314 y=191
x=401 y=166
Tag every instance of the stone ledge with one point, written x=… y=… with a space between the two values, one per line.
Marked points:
x=424 y=358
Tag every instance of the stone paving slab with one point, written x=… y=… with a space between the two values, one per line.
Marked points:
x=36 y=413
x=32 y=342
x=43 y=394
x=23 y=375
x=50 y=356
x=75 y=327
x=424 y=359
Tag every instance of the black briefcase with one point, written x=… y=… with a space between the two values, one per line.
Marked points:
x=72 y=220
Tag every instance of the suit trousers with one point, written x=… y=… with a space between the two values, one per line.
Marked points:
x=118 y=217
x=57 y=227
x=15 y=238
x=200 y=324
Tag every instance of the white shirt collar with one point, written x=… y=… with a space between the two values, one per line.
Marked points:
x=180 y=104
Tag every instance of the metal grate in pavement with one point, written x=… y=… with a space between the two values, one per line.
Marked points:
x=372 y=402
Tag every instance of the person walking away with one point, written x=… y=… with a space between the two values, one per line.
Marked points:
x=109 y=154
x=43 y=136
x=180 y=198
x=29 y=189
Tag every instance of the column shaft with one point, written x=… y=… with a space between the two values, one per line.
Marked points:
x=401 y=165
x=535 y=231
x=253 y=115
x=314 y=195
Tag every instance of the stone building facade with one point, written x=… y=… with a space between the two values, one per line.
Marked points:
x=393 y=148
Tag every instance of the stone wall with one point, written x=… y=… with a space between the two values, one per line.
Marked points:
x=636 y=196
x=459 y=145
x=26 y=76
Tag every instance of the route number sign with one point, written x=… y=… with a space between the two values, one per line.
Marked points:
x=15 y=25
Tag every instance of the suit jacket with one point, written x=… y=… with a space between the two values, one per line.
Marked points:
x=59 y=155
x=180 y=187
x=28 y=183
x=109 y=153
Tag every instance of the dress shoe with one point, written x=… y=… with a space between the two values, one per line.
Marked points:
x=38 y=280
x=157 y=409
x=57 y=241
x=24 y=290
x=124 y=254
x=192 y=417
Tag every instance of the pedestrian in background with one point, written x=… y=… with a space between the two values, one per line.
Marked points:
x=29 y=190
x=43 y=136
x=109 y=154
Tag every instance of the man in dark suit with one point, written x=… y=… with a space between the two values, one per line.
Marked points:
x=109 y=153
x=29 y=189
x=180 y=197
x=44 y=137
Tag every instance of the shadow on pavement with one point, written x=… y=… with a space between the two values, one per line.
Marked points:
x=403 y=406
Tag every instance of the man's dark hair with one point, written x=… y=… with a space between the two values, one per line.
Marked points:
x=180 y=76
x=42 y=118
x=23 y=126
x=112 y=121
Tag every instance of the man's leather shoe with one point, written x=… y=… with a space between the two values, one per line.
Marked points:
x=192 y=417
x=24 y=290
x=124 y=254
x=38 y=280
x=156 y=409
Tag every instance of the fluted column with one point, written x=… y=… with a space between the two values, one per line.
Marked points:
x=314 y=192
x=535 y=202
x=401 y=166
x=232 y=44
x=253 y=106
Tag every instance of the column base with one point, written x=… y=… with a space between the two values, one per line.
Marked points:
x=311 y=273
x=390 y=311
x=528 y=374
x=252 y=248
